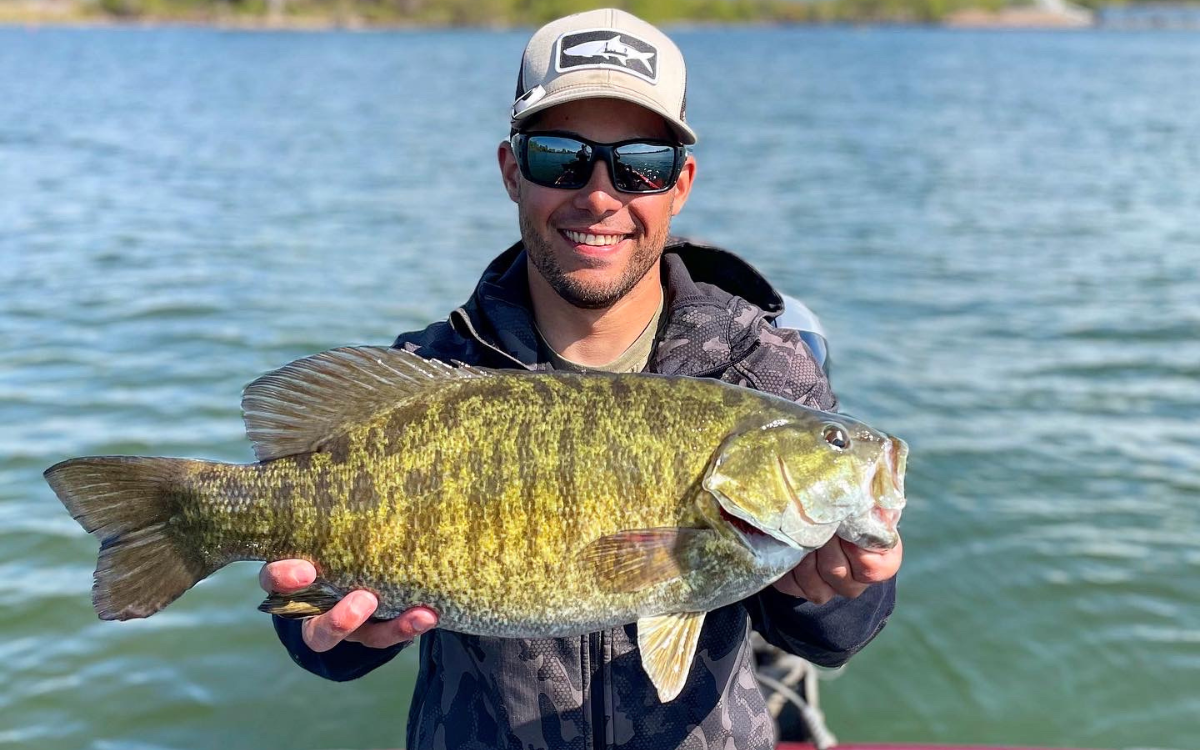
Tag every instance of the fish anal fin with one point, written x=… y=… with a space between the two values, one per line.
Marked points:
x=668 y=645
x=308 y=602
x=630 y=561
x=302 y=405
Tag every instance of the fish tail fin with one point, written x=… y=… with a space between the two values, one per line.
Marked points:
x=129 y=503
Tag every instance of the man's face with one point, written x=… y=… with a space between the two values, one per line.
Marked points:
x=631 y=229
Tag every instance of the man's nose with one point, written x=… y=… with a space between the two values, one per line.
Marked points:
x=598 y=196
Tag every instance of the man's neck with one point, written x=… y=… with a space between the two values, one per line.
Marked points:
x=593 y=337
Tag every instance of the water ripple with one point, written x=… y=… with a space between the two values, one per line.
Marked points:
x=997 y=230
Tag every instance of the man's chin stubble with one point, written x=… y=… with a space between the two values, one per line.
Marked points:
x=583 y=296
x=588 y=296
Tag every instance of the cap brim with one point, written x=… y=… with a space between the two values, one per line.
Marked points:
x=686 y=135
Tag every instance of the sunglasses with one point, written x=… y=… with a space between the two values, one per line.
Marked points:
x=564 y=160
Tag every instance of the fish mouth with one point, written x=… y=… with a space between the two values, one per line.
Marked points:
x=887 y=483
x=876 y=528
x=753 y=534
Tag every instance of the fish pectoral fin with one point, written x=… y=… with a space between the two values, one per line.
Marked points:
x=630 y=561
x=668 y=643
x=310 y=602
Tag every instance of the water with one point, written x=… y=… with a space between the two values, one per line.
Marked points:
x=998 y=231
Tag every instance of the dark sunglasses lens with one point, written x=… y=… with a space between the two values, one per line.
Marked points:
x=557 y=162
x=644 y=167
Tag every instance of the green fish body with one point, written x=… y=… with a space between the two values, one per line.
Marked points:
x=512 y=503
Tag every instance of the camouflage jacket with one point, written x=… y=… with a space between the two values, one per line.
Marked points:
x=591 y=691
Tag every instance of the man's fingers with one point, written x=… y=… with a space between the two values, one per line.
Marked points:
x=323 y=632
x=788 y=584
x=816 y=590
x=376 y=635
x=404 y=628
x=804 y=581
x=869 y=566
x=416 y=621
x=286 y=576
x=349 y=620
x=834 y=569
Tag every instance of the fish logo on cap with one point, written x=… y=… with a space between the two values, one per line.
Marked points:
x=607 y=48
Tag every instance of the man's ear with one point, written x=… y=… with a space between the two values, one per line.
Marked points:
x=683 y=186
x=509 y=171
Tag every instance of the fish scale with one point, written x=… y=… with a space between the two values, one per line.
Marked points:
x=512 y=503
x=423 y=544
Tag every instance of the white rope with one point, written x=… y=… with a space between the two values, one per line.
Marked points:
x=814 y=720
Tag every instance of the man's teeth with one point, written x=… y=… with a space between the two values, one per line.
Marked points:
x=600 y=240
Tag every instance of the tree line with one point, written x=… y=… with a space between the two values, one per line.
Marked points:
x=533 y=12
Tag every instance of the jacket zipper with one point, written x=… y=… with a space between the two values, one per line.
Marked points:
x=466 y=319
x=585 y=681
x=596 y=695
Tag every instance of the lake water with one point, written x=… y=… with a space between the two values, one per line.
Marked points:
x=999 y=231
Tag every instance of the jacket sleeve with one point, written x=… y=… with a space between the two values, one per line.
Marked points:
x=826 y=634
x=783 y=365
x=345 y=661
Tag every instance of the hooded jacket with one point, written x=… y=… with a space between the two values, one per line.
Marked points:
x=591 y=691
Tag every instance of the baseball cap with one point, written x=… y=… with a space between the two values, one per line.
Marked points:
x=605 y=53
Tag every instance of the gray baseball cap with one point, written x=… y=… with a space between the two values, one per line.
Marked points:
x=600 y=54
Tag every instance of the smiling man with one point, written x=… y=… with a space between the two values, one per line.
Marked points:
x=597 y=165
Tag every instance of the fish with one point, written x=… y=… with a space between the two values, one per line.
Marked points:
x=613 y=49
x=512 y=503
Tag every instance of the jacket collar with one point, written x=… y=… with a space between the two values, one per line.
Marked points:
x=714 y=301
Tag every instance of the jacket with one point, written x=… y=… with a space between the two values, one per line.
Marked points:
x=591 y=691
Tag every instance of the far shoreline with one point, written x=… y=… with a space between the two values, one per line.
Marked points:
x=976 y=22
x=835 y=14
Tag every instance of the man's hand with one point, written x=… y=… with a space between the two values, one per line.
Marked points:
x=347 y=621
x=840 y=569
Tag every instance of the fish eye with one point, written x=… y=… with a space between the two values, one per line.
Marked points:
x=836 y=437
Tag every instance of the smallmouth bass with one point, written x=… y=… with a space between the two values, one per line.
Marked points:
x=514 y=504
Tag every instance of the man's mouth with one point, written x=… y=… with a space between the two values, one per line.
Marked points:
x=593 y=240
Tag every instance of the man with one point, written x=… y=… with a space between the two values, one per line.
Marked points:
x=597 y=167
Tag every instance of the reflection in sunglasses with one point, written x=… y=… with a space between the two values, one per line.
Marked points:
x=566 y=162
x=633 y=178
x=576 y=172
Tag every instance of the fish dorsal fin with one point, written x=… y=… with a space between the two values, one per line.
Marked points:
x=668 y=643
x=630 y=561
x=302 y=405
